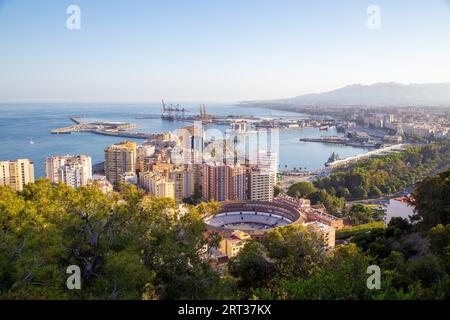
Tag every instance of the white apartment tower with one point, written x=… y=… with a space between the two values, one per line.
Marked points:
x=262 y=185
x=75 y=171
x=16 y=173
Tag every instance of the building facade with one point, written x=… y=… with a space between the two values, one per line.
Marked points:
x=157 y=184
x=231 y=245
x=267 y=160
x=223 y=182
x=262 y=184
x=75 y=171
x=215 y=184
x=120 y=160
x=16 y=173
x=184 y=183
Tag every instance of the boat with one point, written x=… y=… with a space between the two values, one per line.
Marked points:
x=334 y=157
x=31 y=141
x=324 y=128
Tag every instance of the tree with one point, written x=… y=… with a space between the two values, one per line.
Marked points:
x=432 y=200
x=251 y=267
x=439 y=239
x=375 y=192
x=301 y=189
x=342 y=276
x=127 y=245
x=360 y=214
x=427 y=269
x=333 y=204
x=386 y=175
x=397 y=227
x=276 y=191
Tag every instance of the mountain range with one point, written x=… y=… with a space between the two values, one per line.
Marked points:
x=378 y=94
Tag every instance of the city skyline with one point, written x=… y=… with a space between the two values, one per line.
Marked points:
x=215 y=51
x=241 y=150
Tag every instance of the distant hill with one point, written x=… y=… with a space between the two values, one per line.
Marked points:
x=379 y=94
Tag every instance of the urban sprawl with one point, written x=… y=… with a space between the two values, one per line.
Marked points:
x=239 y=169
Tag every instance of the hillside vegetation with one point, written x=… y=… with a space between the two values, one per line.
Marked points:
x=132 y=246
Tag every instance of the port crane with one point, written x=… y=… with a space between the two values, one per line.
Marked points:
x=205 y=117
x=171 y=112
x=176 y=112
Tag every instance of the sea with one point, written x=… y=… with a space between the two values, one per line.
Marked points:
x=22 y=123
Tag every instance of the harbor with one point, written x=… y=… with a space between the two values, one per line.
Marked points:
x=176 y=113
x=308 y=156
x=115 y=129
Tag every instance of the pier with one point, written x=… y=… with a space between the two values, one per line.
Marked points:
x=114 y=129
x=374 y=153
x=339 y=140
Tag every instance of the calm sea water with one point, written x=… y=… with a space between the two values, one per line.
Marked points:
x=397 y=208
x=21 y=122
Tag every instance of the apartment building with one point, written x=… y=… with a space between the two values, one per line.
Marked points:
x=75 y=171
x=267 y=160
x=157 y=184
x=120 y=160
x=215 y=184
x=262 y=184
x=184 y=183
x=16 y=173
x=223 y=182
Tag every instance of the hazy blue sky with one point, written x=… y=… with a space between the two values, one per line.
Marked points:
x=209 y=50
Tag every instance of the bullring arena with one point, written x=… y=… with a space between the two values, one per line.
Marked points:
x=253 y=217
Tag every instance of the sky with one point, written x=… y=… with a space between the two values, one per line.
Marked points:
x=215 y=51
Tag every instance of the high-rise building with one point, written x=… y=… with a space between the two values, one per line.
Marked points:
x=184 y=183
x=191 y=146
x=120 y=160
x=223 y=182
x=52 y=165
x=75 y=171
x=16 y=173
x=157 y=184
x=262 y=184
x=267 y=160
x=215 y=184
x=238 y=182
